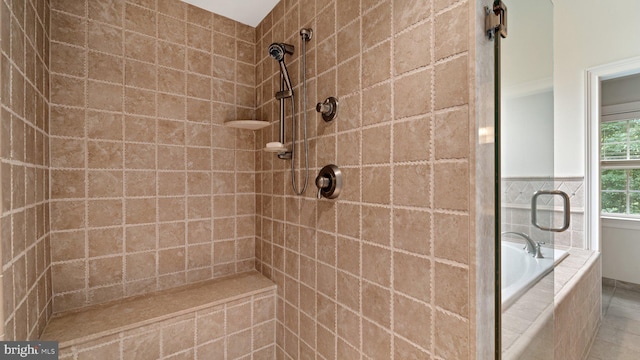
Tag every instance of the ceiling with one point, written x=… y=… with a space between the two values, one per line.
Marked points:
x=249 y=12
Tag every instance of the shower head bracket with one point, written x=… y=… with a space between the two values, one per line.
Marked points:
x=284 y=94
x=306 y=34
x=287 y=155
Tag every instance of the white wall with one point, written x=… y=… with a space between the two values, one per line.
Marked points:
x=587 y=33
x=527 y=88
x=620 y=251
x=527 y=52
x=527 y=135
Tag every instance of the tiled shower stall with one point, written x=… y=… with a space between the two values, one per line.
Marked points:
x=120 y=179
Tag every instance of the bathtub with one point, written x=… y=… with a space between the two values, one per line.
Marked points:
x=520 y=270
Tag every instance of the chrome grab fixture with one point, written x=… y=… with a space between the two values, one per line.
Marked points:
x=328 y=108
x=532 y=247
x=329 y=182
x=566 y=209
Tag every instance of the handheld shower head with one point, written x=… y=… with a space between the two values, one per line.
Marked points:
x=277 y=51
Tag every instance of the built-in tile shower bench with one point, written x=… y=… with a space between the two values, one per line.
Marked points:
x=228 y=318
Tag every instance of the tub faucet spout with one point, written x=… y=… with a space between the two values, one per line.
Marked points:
x=532 y=247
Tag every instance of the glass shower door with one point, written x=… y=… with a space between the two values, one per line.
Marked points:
x=529 y=204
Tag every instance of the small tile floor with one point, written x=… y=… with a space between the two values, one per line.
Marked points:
x=619 y=335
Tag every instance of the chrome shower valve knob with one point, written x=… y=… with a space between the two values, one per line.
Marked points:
x=328 y=108
x=322 y=182
x=329 y=182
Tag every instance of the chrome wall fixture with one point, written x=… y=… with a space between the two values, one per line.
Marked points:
x=329 y=182
x=328 y=108
x=278 y=51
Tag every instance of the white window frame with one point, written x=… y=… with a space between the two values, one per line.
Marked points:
x=593 y=77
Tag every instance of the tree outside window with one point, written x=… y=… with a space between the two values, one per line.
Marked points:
x=620 y=167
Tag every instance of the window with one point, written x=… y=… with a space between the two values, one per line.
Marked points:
x=620 y=166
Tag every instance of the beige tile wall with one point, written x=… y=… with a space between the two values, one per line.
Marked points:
x=148 y=189
x=24 y=172
x=383 y=271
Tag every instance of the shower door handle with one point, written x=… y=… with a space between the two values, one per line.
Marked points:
x=566 y=209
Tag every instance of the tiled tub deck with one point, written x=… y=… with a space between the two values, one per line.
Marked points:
x=570 y=322
x=230 y=318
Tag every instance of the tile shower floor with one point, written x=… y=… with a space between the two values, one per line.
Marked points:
x=619 y=335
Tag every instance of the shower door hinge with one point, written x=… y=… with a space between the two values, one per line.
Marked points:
x=496 y=20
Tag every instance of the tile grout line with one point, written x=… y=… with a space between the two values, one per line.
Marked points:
x=361 y=181
x=156 y=160
x=185 y=255
x=392 y=174
x=86 y=155
x=336 y=204
x=124 y=104
x=432 y=158
x=212 y=202
x=235 y=149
